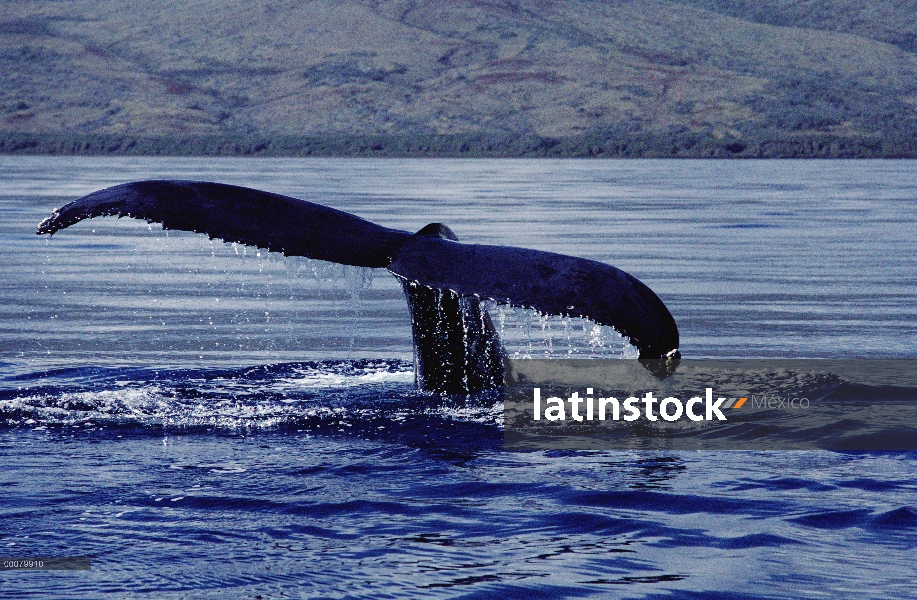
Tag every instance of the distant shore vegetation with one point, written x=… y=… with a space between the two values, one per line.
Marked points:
x=595 y=145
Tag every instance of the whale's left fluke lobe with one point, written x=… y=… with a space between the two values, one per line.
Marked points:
x=456 y=346
x=236 y=214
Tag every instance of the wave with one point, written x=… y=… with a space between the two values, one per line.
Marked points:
x=327 y=396
x=376 y=399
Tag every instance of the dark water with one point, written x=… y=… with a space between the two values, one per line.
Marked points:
x=207 y=422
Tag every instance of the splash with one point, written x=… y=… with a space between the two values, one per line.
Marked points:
x=331 y=396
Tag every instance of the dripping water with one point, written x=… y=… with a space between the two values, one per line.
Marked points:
x=528 y=334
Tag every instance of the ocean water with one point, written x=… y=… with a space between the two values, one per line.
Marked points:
x=206 y=419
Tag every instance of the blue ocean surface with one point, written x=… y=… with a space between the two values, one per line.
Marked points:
x=209 y=420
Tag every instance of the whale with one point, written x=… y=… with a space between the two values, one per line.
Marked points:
x=457 y=349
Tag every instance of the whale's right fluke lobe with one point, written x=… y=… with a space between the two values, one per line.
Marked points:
x=550 y=283
x=238 y=214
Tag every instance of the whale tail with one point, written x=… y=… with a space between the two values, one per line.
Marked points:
x=456 y=347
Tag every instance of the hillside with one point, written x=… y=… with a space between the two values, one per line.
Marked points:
x=568 y=77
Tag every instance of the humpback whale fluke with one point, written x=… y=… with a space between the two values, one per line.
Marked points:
x=456 y=346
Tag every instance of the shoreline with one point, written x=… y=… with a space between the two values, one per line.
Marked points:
x=613 y=145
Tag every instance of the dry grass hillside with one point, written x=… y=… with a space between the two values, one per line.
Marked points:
x=565 y=77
